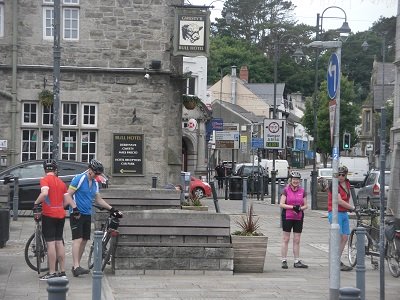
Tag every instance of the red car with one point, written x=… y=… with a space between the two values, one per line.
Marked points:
x=199 y=188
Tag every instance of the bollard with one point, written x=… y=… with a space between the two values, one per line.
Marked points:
x=97 y=273
x=244 y=197
x=215 y=197
x=153 y=182
x=57 y=288
x=349 y=293
x=226 y=188
x=262 y=187
x=304 y=184
x=15 y=199
x=360 y=267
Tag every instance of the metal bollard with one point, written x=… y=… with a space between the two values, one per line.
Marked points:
x=244 y=197
x=304 y=184
x=349 y=293
x=153 y=182
x=15 y=199
x=57 y=288
x=226 y=188
x=360 y=267
x=97 y=273
x=215 y=197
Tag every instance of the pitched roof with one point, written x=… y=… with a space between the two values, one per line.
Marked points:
x=265 y=91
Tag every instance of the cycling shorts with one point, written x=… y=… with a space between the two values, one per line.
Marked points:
x=81 y=227
x=288 y=225
x=52 y=228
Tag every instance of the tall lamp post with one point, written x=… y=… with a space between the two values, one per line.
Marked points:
x=344 y=29
x=298 y=54
x=334 y=71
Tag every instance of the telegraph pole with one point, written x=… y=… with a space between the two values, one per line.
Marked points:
x=56 y=81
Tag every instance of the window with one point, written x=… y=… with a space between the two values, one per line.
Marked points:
x=71 y=1
x=68 y=142
x=48 y=21
x=47 y=115
x=47 y=138
x=190 y=86
x=1 y=19
x=89 y=114
x=29 y=113
x=29 y=144
x=71 y=23
x=88 y=142
x=69 y=114
x=367 y=122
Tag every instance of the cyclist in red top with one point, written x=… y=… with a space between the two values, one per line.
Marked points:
x=343 y=207
x=53 y=217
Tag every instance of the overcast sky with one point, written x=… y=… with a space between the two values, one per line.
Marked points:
x=360 y=13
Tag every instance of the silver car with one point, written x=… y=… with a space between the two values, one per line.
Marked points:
x=369 y=194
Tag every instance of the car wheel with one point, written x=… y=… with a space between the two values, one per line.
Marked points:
x=198 y=192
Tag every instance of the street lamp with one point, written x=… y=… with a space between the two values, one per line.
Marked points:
x=298 y=54
x=334 y=241
x=344 y=30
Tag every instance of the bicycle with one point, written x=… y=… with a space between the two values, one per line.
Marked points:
x=109 y=240
x=36 y=247
x=392 y=251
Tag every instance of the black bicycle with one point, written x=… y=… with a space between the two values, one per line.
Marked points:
x=36 y=247
x=392 y=250
x=109 y=241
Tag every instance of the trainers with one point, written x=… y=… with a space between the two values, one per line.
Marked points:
x=345 y=268
x=284 y=264
x=79 y=271
x=62 y=275
x=299 y=264
x=48 y=276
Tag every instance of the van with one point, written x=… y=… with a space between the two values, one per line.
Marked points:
x=358 y=168
x=281 y=167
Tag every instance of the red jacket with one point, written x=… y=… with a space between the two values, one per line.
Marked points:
x=343 y=194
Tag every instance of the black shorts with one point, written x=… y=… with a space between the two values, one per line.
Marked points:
x=287 y=225
x=52 y=228
x=80 y=228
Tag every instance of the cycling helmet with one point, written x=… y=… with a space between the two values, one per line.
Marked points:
x=343 y=169
x=294 y=174
x=50 y=165
x=96 y=166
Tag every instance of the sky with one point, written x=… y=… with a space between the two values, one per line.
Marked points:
x=360 y=13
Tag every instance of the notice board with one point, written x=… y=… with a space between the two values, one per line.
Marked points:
x=127 y=154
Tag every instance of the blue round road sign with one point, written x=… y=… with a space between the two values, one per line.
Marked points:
x=333 y=76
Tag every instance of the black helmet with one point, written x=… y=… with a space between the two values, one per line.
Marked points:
x=294 y=174
x=50 y=165
x=96 y=166
x=343 y=169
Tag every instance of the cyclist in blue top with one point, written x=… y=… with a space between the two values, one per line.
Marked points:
x=84 y=190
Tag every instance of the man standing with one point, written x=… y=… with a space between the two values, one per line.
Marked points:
x=84 y=190
x=52 y=196
x=344 y=206
x=220 y=170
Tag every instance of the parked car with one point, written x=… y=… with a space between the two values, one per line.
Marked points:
x=324 y=178
x=369 y=194
x=249 y=169
x=281 y=168
x=29 y=174
x=199 y=188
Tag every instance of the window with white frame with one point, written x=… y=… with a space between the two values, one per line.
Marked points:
x=47 y=139
x=47 y=115
x=71 y=1
x=1 y=19
x=48 y=21
x=29 y=113
x=71 y=23
x=89 y=114
x=68 y=142
x=70 y=114
x=29 y=144
x=190 y=86
x=88 y=144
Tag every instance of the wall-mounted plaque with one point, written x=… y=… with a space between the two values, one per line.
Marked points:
x=128 y=154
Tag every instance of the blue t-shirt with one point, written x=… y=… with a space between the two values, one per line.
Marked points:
x=84 y=195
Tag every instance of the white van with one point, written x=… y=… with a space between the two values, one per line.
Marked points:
x=281 y=166
x=358 y=168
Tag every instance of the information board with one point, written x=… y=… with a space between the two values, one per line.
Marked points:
x=127 y=154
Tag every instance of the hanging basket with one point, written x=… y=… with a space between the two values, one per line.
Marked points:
x=46 y=98
x=190 y=102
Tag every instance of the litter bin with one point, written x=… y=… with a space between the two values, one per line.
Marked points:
x=235 y=188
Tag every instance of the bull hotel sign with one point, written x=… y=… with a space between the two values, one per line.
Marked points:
x=192 y=31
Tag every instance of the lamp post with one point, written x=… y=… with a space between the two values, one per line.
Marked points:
x=344 y=29
x=298 y=54
x=334 y=237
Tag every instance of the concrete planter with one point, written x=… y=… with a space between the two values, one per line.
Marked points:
x=249 y=253
x=196 y=208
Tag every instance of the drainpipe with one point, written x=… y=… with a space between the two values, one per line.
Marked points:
x=233 y=85
x=13 y=110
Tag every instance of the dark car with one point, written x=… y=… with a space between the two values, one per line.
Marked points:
x=29 y=174
x=369 y=194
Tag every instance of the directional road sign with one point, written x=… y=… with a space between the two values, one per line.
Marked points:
x=333 y=76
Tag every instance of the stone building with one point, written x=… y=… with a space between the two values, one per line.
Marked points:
x=107 y=48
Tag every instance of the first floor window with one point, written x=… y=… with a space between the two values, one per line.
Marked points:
x=29 y=113
x=48 y=21
x=71 y=23
x=29 y=144
x=1 y=20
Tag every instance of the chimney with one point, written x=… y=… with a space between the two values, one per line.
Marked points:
x=244 y=74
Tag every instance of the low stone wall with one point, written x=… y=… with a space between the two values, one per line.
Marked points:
x=174 y=241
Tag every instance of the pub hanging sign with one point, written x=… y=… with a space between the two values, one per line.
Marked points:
x=192 y=31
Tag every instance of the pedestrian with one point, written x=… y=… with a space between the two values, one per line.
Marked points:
x=220 y=170
x=293 y=203
x=52 y=190
x=84 y=190
x=343 y=207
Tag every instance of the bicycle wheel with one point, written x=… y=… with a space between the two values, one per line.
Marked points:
x=104 y=251
x=91 y=258
x=393 y=259
x=30 y=254
x=352 y=248
x=109 y=251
